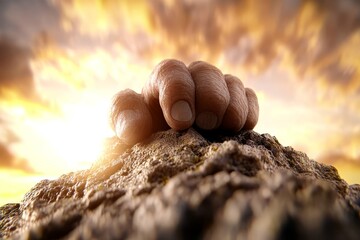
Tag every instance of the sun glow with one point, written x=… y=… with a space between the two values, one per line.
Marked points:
x=73 y=137
x=76 y=138
x=17 y=183
x=60 y=68
x=81 y=83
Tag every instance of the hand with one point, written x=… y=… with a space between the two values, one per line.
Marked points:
x=178 y=96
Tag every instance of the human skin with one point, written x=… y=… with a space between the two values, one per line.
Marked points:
x=178 y=96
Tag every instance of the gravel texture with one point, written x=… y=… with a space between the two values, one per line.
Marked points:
x=191 y=185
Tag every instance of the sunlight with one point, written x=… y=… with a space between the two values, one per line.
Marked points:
x=305 y=73
x=75 y=139
x=17 y=184
x=82 y=84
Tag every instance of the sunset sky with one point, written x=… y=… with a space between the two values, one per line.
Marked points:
x=61 y=62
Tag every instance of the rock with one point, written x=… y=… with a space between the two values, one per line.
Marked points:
x=187 y=185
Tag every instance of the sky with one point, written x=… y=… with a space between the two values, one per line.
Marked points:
x=61 y=63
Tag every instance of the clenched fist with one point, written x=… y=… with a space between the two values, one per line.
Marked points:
x=179 y=96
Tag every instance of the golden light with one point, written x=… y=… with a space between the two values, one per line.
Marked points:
x=82 y=83
x=282 y=49
x=17 y=183
x=75 y=140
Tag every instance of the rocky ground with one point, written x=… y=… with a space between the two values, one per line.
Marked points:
x=191 y=186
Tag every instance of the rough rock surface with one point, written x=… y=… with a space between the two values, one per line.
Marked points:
x=190 y=186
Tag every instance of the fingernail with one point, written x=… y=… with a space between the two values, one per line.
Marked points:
x=181 y=111
x=206 y=120
x=126 y=122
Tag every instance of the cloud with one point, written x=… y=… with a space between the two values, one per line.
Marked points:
x=15 y=72
x=310 y=36
x=9 y=161
x=316 y=39
x=6 y=135
x=295 y=52
x=23 y=20
x=17 y=85
x=347 y=166
x=346 y=142
x=339 y=158
x=314 y=44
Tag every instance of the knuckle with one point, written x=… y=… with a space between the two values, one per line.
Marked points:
x=126 y=93
x=218 y=101
x=172 y=73
x=180 y=86
x=196 y=64
x=167 y=77
x=253 y=114
x=200 y=67
x=168 y=66
x=211 y=89
x=120 y=101
x=252 y=98
x=233 y=81
x=120 y=97
x=239 y=110
x=250 y=93
x=233 y=120
x=124 y=97
x=235 y=114
x=223 y=98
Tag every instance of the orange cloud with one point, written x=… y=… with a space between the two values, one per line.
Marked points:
x=303 y=57
x=17 y=86
x=317 y=39
x=346 y=166
x=15 y=72
x=8 y=160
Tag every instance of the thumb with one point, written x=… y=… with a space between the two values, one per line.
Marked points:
x=130 y=118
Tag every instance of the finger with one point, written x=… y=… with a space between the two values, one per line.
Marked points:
x=237 y=111
x=171 y=93
x=212 y=96
x=253 y=109
x=130 y=117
